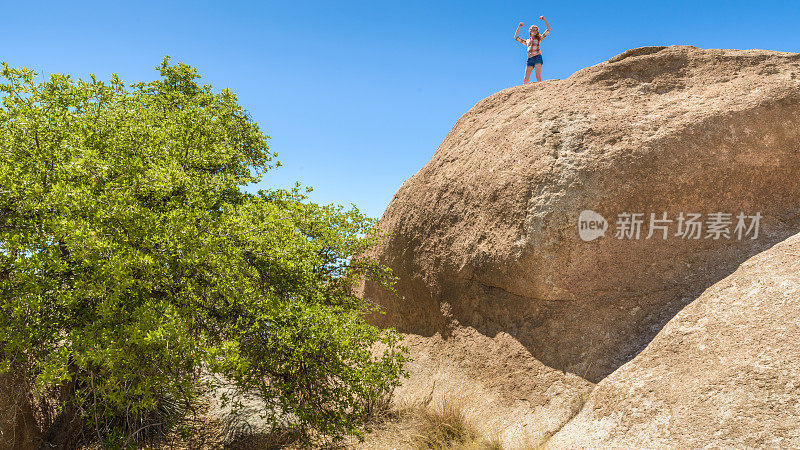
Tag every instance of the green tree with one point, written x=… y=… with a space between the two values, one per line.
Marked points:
x=131 y=259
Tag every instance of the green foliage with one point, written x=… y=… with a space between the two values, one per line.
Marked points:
x=131 y=257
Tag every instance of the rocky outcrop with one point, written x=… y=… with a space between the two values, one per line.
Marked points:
x=724 y=370
x=484 y=238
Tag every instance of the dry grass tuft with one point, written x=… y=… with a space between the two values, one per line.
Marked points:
x=442 y=422
x=445 y=424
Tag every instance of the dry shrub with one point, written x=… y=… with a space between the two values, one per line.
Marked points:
x=445 y=424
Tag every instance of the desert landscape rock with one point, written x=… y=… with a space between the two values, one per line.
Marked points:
x=484 y=237
x=618 y=341
x=725 y=370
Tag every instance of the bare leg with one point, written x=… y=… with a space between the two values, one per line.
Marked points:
x=538 y=72
x=527 y=74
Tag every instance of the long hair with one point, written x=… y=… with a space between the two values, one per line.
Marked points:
x=536 y=36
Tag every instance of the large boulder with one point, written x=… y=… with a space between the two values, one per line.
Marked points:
x=724 y=370
x=485 y=240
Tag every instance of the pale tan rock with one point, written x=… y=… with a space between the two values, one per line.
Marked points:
x=484 y=237
x=724 y=372
x=504 y=390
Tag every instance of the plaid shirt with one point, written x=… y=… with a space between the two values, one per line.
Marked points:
x=533 y=46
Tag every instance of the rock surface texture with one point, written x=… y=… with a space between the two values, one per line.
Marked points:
x=484 y=238
x=725 y=370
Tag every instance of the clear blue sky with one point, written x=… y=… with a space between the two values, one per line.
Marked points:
x=357 y=95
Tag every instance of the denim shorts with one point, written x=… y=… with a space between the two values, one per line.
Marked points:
x=535 y=59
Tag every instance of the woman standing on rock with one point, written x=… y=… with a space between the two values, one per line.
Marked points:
x=534 y=52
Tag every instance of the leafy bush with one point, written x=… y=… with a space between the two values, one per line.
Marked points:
x=131 y=258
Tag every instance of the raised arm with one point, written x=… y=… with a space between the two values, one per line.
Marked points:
x=547 y=31
x=516 y=34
